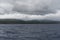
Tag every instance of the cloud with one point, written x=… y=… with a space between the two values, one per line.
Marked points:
x=33 y=7
x=30 y=9
x=5 y=8
x=37 y=7
x=52 y=16
x=17 y=15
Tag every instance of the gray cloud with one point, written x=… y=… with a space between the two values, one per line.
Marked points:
x=30 y=9
x=36 y=7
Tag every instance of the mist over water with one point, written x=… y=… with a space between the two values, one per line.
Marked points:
x=30 y=9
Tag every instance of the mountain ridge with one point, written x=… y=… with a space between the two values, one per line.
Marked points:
x=18 y=21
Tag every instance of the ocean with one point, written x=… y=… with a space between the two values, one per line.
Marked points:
x=29 y=31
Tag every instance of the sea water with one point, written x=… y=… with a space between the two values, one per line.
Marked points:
x=29 y=31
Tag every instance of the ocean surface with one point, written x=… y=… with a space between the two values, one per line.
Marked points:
x=29 y=31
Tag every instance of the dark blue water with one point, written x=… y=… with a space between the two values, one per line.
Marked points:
x=29 y=31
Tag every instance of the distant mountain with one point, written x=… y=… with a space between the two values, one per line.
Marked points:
x=15 y=21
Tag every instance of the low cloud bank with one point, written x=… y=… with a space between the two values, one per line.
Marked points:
x=17 y=15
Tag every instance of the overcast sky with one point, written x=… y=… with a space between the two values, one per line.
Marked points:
x=30 y=9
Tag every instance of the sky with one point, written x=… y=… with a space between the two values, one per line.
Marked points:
x=30 y=9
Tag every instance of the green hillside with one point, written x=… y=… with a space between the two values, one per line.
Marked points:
x=15 y=21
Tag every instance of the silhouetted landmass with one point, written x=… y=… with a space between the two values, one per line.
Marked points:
x=15 y=21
